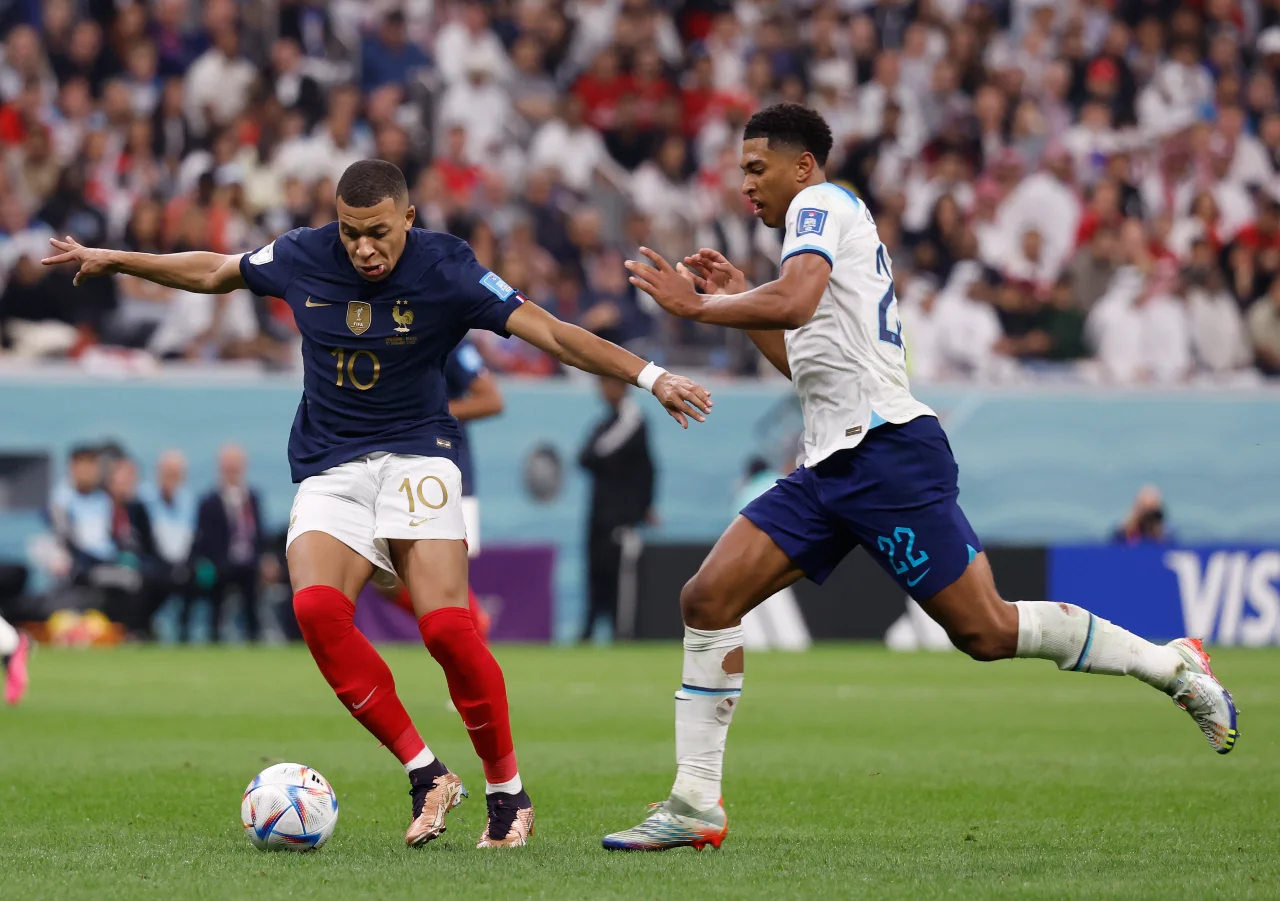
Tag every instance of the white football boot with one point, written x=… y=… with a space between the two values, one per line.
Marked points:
x=1200 y=694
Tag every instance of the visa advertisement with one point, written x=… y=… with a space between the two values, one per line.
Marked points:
x=1227 y=595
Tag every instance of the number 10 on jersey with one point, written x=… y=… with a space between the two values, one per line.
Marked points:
x=349 y=373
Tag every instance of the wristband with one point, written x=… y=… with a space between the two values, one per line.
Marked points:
x=649 y=375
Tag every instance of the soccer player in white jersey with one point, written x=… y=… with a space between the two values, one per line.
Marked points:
x=878 y=472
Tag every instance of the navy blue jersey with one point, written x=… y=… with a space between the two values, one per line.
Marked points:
x=373 y=353
x=460 y=370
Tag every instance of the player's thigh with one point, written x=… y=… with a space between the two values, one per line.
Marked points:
x=745 y=567
x=434 y=570
x=316 y=558
x=331 y=537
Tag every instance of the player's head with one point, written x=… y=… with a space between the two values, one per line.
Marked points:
x=784 y=148
x=374 y=216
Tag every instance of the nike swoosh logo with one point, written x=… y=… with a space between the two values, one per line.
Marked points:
x=474 y=728
x=312 y=303
x=418 y=522
x=911 y=583
x=365 y=701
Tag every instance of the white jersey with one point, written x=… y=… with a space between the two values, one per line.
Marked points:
x=847 y=362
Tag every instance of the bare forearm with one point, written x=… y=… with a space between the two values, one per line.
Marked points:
x=579 y=348
x=773 y=345
x=199 y=271
x=768 y=307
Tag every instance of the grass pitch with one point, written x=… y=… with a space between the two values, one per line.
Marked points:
x=851 y=772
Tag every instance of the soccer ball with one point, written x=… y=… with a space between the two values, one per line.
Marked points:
x=289 y=807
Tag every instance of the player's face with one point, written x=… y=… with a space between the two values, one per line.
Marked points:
x=374 y=236
x=771 y=178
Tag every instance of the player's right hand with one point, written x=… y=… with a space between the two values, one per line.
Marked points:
x=711 y=273
x=92 y=261
x=683 y=397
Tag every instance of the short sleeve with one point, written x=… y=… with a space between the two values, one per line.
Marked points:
x=485 y=301
x=269 y=269
x=817 y=225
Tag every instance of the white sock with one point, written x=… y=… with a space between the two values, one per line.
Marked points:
x=423 y=758
x=1076 y=640
x=510 y=787
x=8 y=638
x=704 y=709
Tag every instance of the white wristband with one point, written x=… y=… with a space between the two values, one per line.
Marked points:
x=649 y=375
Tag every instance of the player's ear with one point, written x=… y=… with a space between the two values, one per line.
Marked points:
x=410 y=214
x=805 y=164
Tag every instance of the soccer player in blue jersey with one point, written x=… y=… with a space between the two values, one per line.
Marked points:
x=380 y=304
x=878 y=472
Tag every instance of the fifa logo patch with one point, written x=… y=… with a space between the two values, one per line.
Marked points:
x=493 y=282
x=811 y=222
x=359 y=316
x=445 y=443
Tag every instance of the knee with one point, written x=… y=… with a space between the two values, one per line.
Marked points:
x=993 y=637
x=320 y=607
x=704 y=606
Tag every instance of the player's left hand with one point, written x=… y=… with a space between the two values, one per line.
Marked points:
x=683 y=397
x=664 y=284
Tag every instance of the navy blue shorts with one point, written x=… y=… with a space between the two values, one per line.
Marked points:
x=894 y=494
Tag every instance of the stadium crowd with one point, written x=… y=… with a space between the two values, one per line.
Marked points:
x=1078 y=189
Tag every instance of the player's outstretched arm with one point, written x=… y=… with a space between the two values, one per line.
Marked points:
x=199 y=271
x=579 y=348
x=711 y=273
x=787 y=302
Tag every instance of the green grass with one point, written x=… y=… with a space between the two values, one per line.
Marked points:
x=852 y=772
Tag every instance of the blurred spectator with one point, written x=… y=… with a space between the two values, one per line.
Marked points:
x=1219 y=339
x=616 y=456
x=389 y=57
x=1264 y=330
x=135 y=544
x=80 y=512
x=1145 y=522
x=172 y=508
x=217 y=83
x=567 y=146
x=293 y=87
x=228 y=549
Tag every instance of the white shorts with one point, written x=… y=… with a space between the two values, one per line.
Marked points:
x=373 y=498
x=471 y=516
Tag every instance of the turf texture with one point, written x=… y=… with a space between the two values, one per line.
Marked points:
x=852 y=772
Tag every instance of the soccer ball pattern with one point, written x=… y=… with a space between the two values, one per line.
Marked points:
x=289 y=807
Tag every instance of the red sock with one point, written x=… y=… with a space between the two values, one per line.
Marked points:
x=356 y=672
x=478 y=615
x=481 y=618
x=475 y=685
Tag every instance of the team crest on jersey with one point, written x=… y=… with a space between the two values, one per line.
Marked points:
x=359 y=317
x=811 y=222
x=402 y=315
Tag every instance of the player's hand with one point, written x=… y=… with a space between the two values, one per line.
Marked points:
x=673 y=292
x=683 y=398
x=711 y=273
x=92 y=261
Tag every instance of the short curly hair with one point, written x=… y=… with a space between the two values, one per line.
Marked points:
x=367 y=183
x=791 y=125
